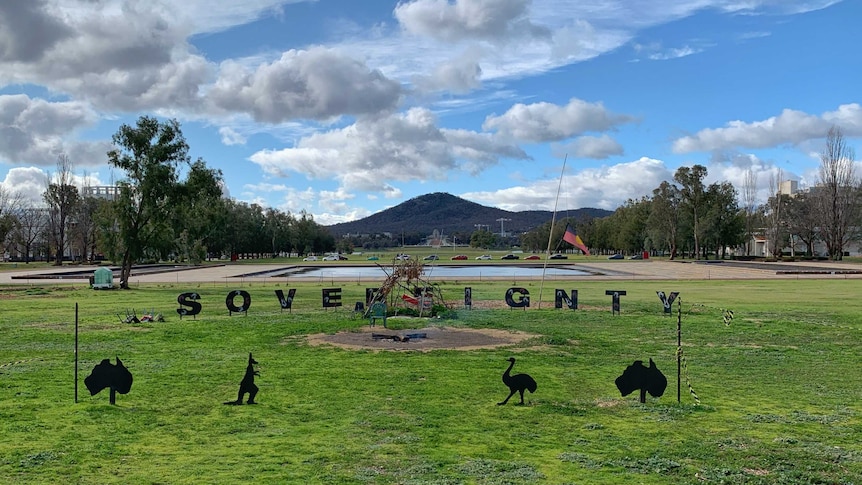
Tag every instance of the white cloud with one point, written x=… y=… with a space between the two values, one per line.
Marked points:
x=230 y=137
x=493 y=20
x=371 y=153
x=541 y=122
x=790 y=127
x=459 y=75
x=781 y=7
x=28 y=182
x=335 y=206
x=31 y=182
x=207 y=16
x=674 y=53
x=296 y=201
x=595 y=147
x=346 y=214
x=253 y=189
x=120 y=55
x=35 y=131
x=27 y=31
x=604 y=188
x=315 y=84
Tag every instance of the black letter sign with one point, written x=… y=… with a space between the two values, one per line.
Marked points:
x=560 y=297
x=331 y=297
x=615 y=303
x=523 y=301
x=369 y=295
x=468 y=298
x=286 y=303
x=667 y=301
x=246 y=302
x=188 y=299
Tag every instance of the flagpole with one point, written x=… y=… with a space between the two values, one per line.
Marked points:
x=551 y=232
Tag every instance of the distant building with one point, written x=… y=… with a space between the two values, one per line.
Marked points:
x=788 y=187
x=437 y=240
x=106 y=192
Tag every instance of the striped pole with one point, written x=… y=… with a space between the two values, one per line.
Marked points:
x=678 y=348
x=76 y=353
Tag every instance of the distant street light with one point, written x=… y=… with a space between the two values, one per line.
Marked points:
x=501 y=220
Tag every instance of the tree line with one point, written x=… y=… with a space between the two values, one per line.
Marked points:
x=686 y=217
x=165 y=208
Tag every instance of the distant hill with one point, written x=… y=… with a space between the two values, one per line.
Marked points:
x=450 y=214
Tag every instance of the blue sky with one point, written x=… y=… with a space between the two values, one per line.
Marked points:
x=344 y=108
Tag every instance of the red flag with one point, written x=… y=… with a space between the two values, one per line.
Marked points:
x=571 y=237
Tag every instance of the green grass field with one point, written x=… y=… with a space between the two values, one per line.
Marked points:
x=779 y=390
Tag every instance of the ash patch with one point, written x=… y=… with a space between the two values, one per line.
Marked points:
x=436 y=338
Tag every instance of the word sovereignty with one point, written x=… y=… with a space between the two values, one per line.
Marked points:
x=239 y=301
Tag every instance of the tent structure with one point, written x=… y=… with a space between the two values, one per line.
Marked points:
x=103 y=278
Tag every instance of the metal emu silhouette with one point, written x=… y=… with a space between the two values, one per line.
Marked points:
x=517 y=383
x=247 y=384
x=646 y=379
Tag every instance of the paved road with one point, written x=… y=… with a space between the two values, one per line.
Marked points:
x=606 y=270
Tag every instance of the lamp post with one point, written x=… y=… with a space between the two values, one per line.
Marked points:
x=501 y=220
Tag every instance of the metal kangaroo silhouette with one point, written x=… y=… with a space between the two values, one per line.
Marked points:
x=247 y=384
x=107 y=375
x=517 y=383
x=647 y=379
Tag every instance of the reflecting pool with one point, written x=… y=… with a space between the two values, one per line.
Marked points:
x=431 y=272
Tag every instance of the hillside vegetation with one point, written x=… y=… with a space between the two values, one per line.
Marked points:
x=450 y=214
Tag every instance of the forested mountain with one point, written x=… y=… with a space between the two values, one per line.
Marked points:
x=450 y=214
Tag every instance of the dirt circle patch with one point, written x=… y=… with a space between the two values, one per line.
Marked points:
x=433 y=338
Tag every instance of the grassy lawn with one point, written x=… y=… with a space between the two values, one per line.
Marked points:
x=779 y=387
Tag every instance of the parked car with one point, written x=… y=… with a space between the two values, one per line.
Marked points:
x=310 y=258
x=533 y=257
x=431 y=257
x=342 y=257
x=459 y=257
x=510 y=256
x=558 y=256
x=331 y=257
x=637 y=256
x=372 y=258
x=484 y=257
x=616 y=256
x=402 y=257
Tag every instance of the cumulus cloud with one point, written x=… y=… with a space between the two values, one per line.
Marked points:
x=229 y=136
x=129 y=55
x=35 y=131
x=595 y=147
x=27 y=31
x=316 y=84
x=459 y=75
x=28 y=182
x=371 y=153
x=541 y=122
x=605 y=187
x=492 y=20
x=790 y=127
